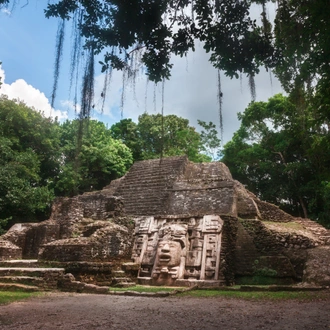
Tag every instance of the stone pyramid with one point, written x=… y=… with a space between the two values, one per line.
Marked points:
x=178 y=223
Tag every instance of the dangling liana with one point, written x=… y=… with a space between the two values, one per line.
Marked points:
x=220 y=106
x=58 y=57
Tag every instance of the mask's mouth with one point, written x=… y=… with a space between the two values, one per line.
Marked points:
x=165 y=257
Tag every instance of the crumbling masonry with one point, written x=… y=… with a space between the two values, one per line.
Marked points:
x=174 y=222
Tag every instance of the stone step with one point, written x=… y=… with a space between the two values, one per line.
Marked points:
x=18 y=287
x=121 y=280
x=152 y=173
x=149 y=185
x=118 y=273
x=146 y=202
x=34 y=272
x=24 y=263
x=44 y=278
x=26 y=280
x=146 y=186
x=156 y=173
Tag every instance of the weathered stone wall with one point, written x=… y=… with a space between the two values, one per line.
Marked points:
x=280 y=251
x=193 y=199
x=107 y=243
x=246 y=252
x=17 y=234
x=30 y=236
x=9 y=251
x=246 y=205
x=99 y=206
x=227 y=254
x=69 y=212
x=38 y=235
x=317 y=268
x=206 y=188
x=68 y=220
x=100 y=273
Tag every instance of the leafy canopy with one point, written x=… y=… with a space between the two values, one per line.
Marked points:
x=29 y=152
x=97 y=161
x=156 y=135
x=282 y=154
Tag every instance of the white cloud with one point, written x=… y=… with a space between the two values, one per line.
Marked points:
x=68 y=104
x=190 y=93
x=31 y=96
x=6 y=11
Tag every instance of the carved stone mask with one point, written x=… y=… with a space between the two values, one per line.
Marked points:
x=169 y=253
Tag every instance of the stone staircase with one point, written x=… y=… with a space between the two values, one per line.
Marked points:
x=32 y=276
x=28 y=275
x=145 y=188
x=120 y=280
x=322 y=233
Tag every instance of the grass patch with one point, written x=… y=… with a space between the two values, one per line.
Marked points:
x=286 y=225
x=267 y=295
x=7 y=297
x=142 y=288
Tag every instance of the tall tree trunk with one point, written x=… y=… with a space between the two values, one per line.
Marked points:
x=303 y=206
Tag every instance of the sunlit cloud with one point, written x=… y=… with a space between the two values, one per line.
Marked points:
x=20 y=90
x=6 y=11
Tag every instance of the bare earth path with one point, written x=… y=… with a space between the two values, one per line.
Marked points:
x=82 y=311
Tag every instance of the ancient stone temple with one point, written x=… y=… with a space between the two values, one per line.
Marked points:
x=171 y=249
x=173 y=222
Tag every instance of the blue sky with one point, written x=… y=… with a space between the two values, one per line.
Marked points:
x=27 y=51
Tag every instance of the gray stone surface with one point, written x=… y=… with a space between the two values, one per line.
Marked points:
x=176 y=221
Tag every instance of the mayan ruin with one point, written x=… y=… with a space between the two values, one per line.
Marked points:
x=168 y=222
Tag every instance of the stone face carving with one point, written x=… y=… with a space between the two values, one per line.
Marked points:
x=170 y=249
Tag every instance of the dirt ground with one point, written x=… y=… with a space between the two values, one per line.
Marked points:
x=88 y=311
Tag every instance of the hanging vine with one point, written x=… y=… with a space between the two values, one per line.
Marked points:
x=220 y=95
x=87 y=90
x=146 y=34
x=252 y=86
x=76 y=49
x=58 y=57
x=162 y=112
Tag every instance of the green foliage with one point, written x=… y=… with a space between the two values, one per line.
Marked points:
x=296 y=45
x=210 y=143
x=100 y=158
x=233 y=38
x=127 y=132
x=40 y=159
x=281 y=152
x=28 y=162
x=155 y=136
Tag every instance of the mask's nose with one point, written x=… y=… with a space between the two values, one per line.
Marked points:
x=165 y=248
